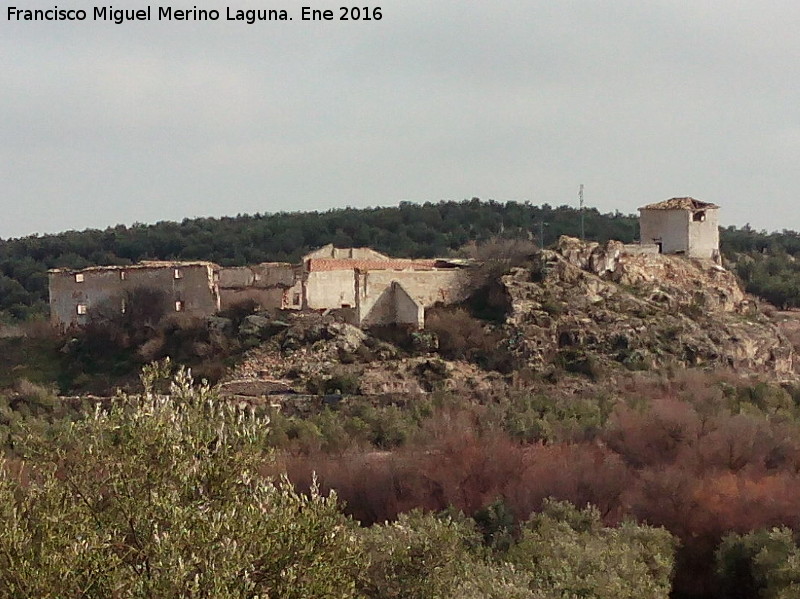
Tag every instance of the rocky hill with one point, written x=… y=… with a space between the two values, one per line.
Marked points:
x=589 y=306
x=581 y=308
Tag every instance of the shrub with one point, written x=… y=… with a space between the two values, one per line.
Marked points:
x=416 y=557
x=578 y=361
x=764 y=563
x=464 y=337
x=341 y=383
x=570 y=554
x=159 y=497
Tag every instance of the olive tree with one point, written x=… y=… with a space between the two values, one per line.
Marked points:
x=569 y=553
x=159 y=496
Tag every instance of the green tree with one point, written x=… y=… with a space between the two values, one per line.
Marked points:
x=420 y=556
x=763 y=563
x=159 y=496
x=571 y=554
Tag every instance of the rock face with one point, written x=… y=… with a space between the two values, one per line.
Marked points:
x=582 y=307
x=586 y=305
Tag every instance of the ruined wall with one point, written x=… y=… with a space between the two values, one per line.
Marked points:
x=393 y=306
x=267 y=274
x=639 y=249
x=273 y=298
x=329 y=289
x=184 y=287
x=266 y=284
x=424 y=287
x=407 y=309
x=704 y=235
x=329 y=251
x=670 y=227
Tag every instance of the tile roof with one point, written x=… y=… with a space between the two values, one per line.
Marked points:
x=320 y=264
x=679 y=204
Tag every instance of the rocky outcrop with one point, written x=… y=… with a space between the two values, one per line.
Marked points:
x=590 y=306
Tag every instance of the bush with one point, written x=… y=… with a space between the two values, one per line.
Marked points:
x=159 y=497
x=570 y=554
x=764 y=564
x=417 y=557
x=340 y=383
x=464 y=337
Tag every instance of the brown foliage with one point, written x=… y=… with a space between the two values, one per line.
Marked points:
x=464 y=337
x=654 y=436
x=703 y=455
x=468 y=472
x=581 y=473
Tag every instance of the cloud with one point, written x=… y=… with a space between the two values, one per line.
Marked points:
x=446 y=100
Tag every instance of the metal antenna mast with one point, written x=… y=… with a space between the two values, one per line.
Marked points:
x=580 y=201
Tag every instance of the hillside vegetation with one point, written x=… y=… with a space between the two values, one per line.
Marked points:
x=581 y=426
x=411 y=230
x=766 y=262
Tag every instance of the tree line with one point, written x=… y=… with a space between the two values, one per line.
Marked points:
x=765 y=261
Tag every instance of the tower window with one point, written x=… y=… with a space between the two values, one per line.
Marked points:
x=79 y=278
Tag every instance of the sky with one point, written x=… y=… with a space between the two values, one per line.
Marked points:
x=523 y=100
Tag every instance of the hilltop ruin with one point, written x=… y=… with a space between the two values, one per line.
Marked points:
x=363 y=286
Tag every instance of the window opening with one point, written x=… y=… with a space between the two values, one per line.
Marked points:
x=79 y=278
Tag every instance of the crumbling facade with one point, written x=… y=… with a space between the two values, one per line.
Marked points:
x=375 y=291
x=329 y=251
x=268 y=285
x=77 y=296
x=401 y=296
x=366 y=287
x=681 y=226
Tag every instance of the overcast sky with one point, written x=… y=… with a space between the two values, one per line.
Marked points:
x=439 y=100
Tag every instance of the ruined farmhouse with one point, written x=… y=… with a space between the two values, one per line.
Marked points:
x=78 y=295
x=365 y=287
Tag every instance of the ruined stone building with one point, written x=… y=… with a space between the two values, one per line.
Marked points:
x=373 y=292
x=366 y=287
x=78 y=295
x=267 y=285
x=681 y=226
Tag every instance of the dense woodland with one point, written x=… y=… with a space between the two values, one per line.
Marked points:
x=765 y=261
